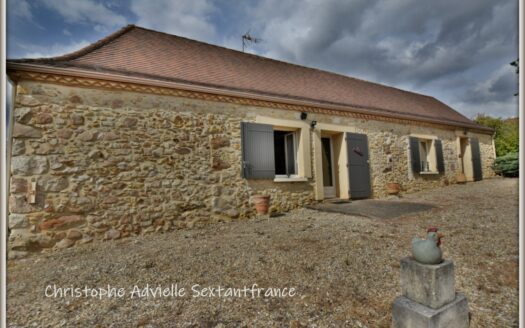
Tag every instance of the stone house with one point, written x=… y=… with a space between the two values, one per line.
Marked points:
x=144 y=131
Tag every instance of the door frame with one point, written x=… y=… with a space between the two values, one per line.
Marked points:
x=338 y=133
x=330 y=192
x=465 y=158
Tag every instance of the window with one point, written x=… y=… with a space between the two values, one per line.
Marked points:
x=426 y=155
x=285 y=152
x=274 y=152
x=426 y=163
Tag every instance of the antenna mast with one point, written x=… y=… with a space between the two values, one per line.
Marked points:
x=247 y=39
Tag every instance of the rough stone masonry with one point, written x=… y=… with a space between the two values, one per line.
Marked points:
x=110 y=164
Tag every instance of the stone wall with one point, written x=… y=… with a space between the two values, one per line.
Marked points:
x=389 y=153
x=114 y=164
x=111 y=164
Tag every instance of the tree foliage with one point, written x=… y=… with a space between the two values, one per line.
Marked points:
x=506 y=138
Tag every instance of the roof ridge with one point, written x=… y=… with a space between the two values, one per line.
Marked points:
x=81 y=52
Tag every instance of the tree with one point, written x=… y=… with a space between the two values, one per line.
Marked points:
x=506 y=138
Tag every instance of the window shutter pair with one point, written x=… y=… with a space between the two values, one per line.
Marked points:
x=258 y=158
x=415 y=159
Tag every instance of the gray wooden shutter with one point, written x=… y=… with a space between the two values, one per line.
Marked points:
x=414 y=154
x=476 y=159
x=440 y=161
x=257 y=151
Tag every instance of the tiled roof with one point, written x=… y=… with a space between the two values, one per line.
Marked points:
x=139 y=52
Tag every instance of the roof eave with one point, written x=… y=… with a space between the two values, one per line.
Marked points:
x=39 y=68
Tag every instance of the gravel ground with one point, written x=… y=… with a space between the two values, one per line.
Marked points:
x=345 y=269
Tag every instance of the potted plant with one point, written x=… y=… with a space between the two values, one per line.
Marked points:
x=262 y=203
x=393 y=188
x=461 y=178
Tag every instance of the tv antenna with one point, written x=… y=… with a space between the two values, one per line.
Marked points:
x=247 y=39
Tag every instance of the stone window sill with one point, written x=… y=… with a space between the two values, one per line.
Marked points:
x=428 y=173
x=292 y=179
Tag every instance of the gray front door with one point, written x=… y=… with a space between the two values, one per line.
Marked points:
x=358 y=165
x=476 y=159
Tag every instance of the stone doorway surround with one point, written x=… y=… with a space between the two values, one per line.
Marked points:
x=465 y=158
x=341 y=179
x=464 y=151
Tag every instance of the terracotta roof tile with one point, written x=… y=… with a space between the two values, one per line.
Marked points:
x=136 y=51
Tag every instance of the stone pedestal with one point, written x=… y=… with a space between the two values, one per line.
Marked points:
x=431 y=285
x=429 y=297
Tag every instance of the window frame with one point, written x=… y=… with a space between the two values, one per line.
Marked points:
x=296 y=135
x=304 y=138
x=431 y=161
x=431 y=155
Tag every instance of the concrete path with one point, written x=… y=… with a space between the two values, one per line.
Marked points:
x=372 y=208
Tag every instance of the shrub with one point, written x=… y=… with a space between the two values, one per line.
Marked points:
x=508 y=165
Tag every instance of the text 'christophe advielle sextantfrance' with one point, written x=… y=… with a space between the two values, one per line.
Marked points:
x=169 y=291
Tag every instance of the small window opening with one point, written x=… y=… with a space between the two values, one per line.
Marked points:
x=425 y=147
x=285 y=146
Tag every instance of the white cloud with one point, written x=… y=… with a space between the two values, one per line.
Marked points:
x=188 y=18
x=53 y=50
x=86 y=11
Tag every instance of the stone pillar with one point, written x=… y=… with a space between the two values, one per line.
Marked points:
x=429 y=298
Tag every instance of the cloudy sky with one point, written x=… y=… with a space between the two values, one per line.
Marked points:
x=456 y=51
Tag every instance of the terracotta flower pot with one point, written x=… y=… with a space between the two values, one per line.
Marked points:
x=461 y=178
x=262 y=203
x=393 y=188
